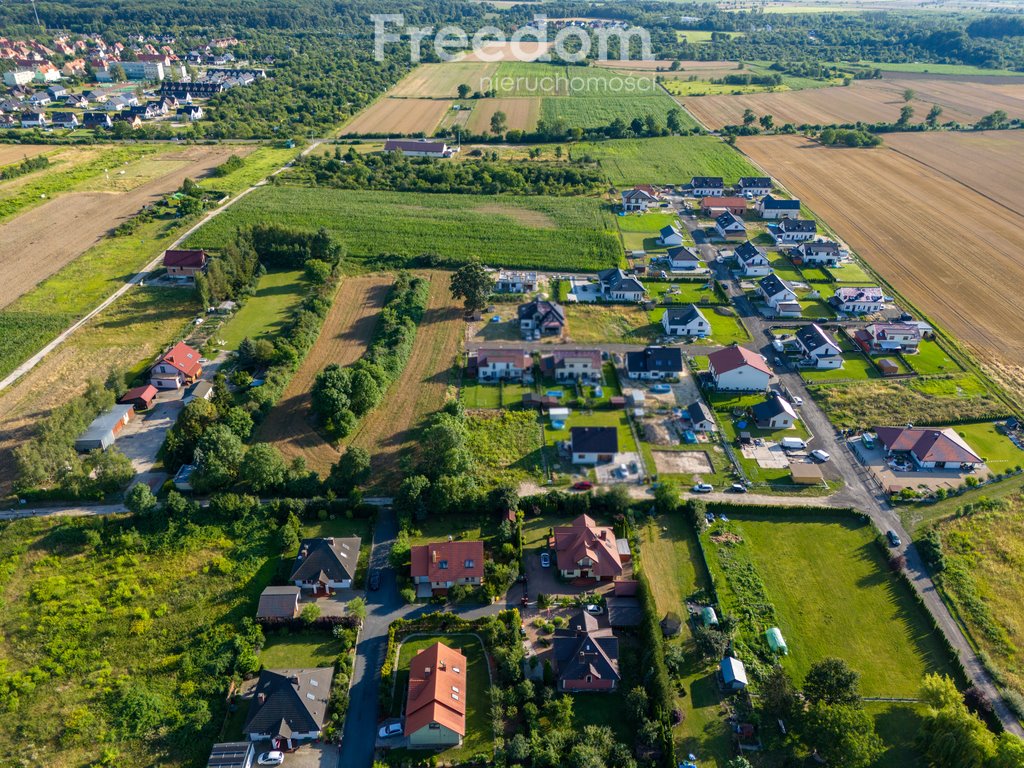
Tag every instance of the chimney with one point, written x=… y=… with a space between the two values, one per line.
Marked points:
x=441 y=666
x=330 y=540
x=294 y=680
x=262 y=698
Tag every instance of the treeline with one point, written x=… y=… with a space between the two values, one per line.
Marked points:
x=392 y=171
x=848 y=138
x=342 y=396
x=27 y=165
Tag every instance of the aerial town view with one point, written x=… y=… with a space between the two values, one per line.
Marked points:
x=513 y=383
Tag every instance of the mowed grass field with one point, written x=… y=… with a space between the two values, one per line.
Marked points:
x=267 y=310
x=600 y=111
x=537 y=232
x=520 y=113
x=443 y=80
x=665 y=160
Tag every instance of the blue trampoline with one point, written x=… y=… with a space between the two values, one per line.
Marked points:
x=689 y=437
x=558 y=425
x=554 y=393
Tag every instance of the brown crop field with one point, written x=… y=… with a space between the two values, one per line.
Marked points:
x=522 y=113
x=527 y=50
x=346 y=332
x=866 y=100
x=37 y=243
x=441 y=81
x=949 y=250
x=390 y=430
x=389 y=116
x=15 y=153
x=989 y=162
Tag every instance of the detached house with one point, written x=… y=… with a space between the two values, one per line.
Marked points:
x=889 y=337
x=817 y=348
x=730 y=226
x=515 y=282
x=928 y=448
x=568 y=365
x=670 y=236
x=707 y=186
x=616 y=285
x=435 y=705
x=67 y=120
x=540 y=315
x=737 y=369
x=289 y=706
x=858 y=300
x=752 y=260
x=34 y=120
x=586 y=655
x=754 y=186
x=419 y=147
x=501 y=364
x=700 y=417
x=682 y=259
x=638 y=199
x=789 y=231
x=584 y=549
x=185 y=264
x=97 y=120
x=778 y=208
x=774 y=413
x=438 y=567
x=593 y=445
x=687 y=320
x=190 y=112
x=714 y=206
x=821 y=252
x=179 y=367
x=654 y=363
x=325 y=564
x=779 y=295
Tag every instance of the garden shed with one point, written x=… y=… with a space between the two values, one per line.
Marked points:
x=777 y=641
x=734 y=675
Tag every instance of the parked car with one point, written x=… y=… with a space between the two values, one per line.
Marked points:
x=389 y=730
x=703 y=488
x=582 y=485
x=271 y=758
x=894 y=540
x=798 y=401
x=595 y=609
x=545 y=560
x=374 y=579
x=820 y=455
x=737 y=488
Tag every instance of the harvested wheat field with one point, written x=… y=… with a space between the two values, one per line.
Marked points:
x=527 y=50
x=347 y=331
x=390 y=430
x=703 y=68
x=389 y=116
x=15 y=153
x=865 y=100
x=40 y=241
x=952 y=252
x=521 y=113
x=989 y=162
x=443 y=80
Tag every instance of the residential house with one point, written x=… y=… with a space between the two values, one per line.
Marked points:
x=435 y=704
x=686 y=320
x=774 y=413
x=498 y=364
x=289 y=706
x=46 y=73
x=104 y=429
x=778 y=208
x=39 y=99
x=638 y=199
x=928 y=448
x=889 y=337
x=97 y=120
x=586 y=655
x=190 y=112
x=737 y=369
x=178 y=367
x=670 y=236
x=8 y=121
x=439 y=566
x=818 y=349
x=616 y=285
x=593 y=445
x=729 y=226
x=586 y=550
x=752 y=260
x=15 y=77
x=34 y=120
x=715 y=206
x=141 y=398
x=776 y=292
x=734 y=676
x=67 y=120
x=74 y=68
x=232 y=754
x=754 y=186
x=654 y=363
x=145 y=111
x=77 y=100
x=682 y=259
x=790 y=231
x=134 y=121
x=515 y=282
x=419 y=147
x=707 y=186
x=185 y=263
x=325 y=564
x=279 y=603
x=569 y=365
x=858 y=300
x=56 y=92
x=700 y=417
x=818 y=252
x=541 y=316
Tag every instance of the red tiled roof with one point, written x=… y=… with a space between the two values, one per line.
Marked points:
x=184 y=358
x=942 y=445
x=723 y=202
x=185 y=258
x=428 y=559
x=731 y=358
x=145 y=392
x=585 y=539
x=437 y=692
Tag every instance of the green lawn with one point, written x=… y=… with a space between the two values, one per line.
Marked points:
x=993 y=446
x=931 y=358
x=851 y=272
x=725 y=329
x=291 y=650
x=566 y=233
x=476 y=395
x=680 y=292
x=267 y=310
x=598 y=112
x=652 y=221
x=855 y=366
x=665 y=160
x=506 y=445
x=590 y=323
x=255 y=167
x=598 y=418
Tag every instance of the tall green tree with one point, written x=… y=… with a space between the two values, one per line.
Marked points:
x=831 y=681
x=473 y=284
x=842 y=734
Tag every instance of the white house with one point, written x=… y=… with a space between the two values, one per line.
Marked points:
x=17 y=77
x=419 y=147
x=685 y=321
x=729 y=225
x=737 y=369
x=501 y=364
x=707 y=186
x=818 y=252
x=775 y=291
x=752 y=260
x=778 y=208
x=34 y=120
x=790 y=231
x=700 y=417
x=638 y=199
x=682 y=259
x=670 y=236
x=65 y=120
x=889 y=337
x=774 y=413
x=616 y=285
x=858 y=300
x=818 y=348
x=754 y=186
x=593 y=445
x=515 y=282
x=573 y=365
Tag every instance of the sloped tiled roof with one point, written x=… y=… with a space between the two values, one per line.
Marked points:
x=334 y=558
x=731 y=358
x=278 y=602
x=437 y=690
x=581 y=648
x=287 y=701
x=584 y=538
x=943 y=445
x=185 y=359
x=448 y=560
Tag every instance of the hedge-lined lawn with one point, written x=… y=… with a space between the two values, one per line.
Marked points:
x=855 y=366
x=476 y=395
x=603 y=418
x=564 y=233
x=993 y=446
x=851 y=272
x=931 y=358
x=814 y=274
x=682 y=293
x=816 y=309
x=292 y=650
x=267 y=310
x=646 y=222
x=831 y=593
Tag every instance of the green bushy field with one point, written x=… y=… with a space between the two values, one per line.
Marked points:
x=666 y=160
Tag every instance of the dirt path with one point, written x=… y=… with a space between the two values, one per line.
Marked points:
x=390 y=430
x=346 y=332
x=40 y=241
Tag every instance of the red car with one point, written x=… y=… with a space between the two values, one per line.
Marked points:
x=583 y=485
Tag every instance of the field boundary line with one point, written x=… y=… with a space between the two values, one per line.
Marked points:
x=682 y=106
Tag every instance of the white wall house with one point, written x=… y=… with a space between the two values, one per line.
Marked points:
x=774 y=208
x=686 y=321
x=793 y=231
x=752 y=260
x=858 y=300
x=707 y=186
x=818 y=348
x=737 y=369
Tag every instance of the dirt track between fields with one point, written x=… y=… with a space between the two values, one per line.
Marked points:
x=343 y=340
x=40 y=241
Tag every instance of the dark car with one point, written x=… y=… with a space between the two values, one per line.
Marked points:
x=737 y=488
x=375 y=580
x=582 y=485
x=894 y=540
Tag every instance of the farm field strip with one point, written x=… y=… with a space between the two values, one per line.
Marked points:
x=12 y=154
x=597 y=112
x=392 y=116
x=520 y=113
x=346 y=332
x=665 y=160
x=443 y=80
x=917 y=243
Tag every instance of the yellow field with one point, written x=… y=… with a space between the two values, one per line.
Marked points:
x=443 y=80
x=399 y=116
x=521 y=113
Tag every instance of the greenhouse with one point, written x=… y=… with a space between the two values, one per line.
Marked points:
x=777 y=641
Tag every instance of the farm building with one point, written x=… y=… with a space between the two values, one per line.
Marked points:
x=586 y=655
x=654 y=363
x=593 y=445
x=435 y=704
x=232 y=754
x=103 y=431
x=774 y=413
x=140 y=397
x=419 y=147
x=687 y=320
x=279 y=603
x=289 y=706
x=928 y=448
x=736 y=369
x=437 y=567
x=185 y=264
x=325 y=564
x=734 y=675
x=587 y=550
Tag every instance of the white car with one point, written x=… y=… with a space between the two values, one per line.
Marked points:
x=389 y=730
x=595 y=609
x=545 y=560
x=271 y=758
x=820 y=455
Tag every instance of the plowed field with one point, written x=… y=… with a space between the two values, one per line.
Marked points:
x=346 y=332
x=399 y=116
x=15 y=153
x=951 y=251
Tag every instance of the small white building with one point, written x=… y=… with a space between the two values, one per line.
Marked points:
x=754 y=186
x=682 y=259
x=686 y=320
x=737 y=369
x=774 y=413
x=670 y=236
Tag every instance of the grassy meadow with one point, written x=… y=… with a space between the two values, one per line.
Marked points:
x=665 y=160
x=267 y=310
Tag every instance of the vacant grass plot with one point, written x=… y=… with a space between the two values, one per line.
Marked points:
x=398 y=117
x=443 y=80
x=598 y=112
x=610 y=323
x=267 y=310
x=506 y=444
x=665 y=160
x=538 y=232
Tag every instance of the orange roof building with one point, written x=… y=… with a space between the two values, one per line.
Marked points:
x=587 y=550
x=435 y=708
x=178 y=367
x=439 y=566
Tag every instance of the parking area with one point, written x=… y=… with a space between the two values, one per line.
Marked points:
x=893 y=478
x=546 y=581
x=624 y=468
x=312 y=755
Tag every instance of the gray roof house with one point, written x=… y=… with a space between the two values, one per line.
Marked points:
x=686 y=320
x=586 y=655
x=279 y=603
x=654 y=363
x=327 y=563
x=289 y=704
x=617 y=285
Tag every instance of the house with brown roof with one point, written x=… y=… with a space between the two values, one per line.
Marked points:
x=289 y=706
x=585 y=549
x=586 y=655
x=928 y=448
x=435 y=705
x=185 y=263
x=715 y=206
x=178 y=367
x=439 y=566
x=500 y=364
x=573 y=365
x=325 y=564
x=737 y=369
